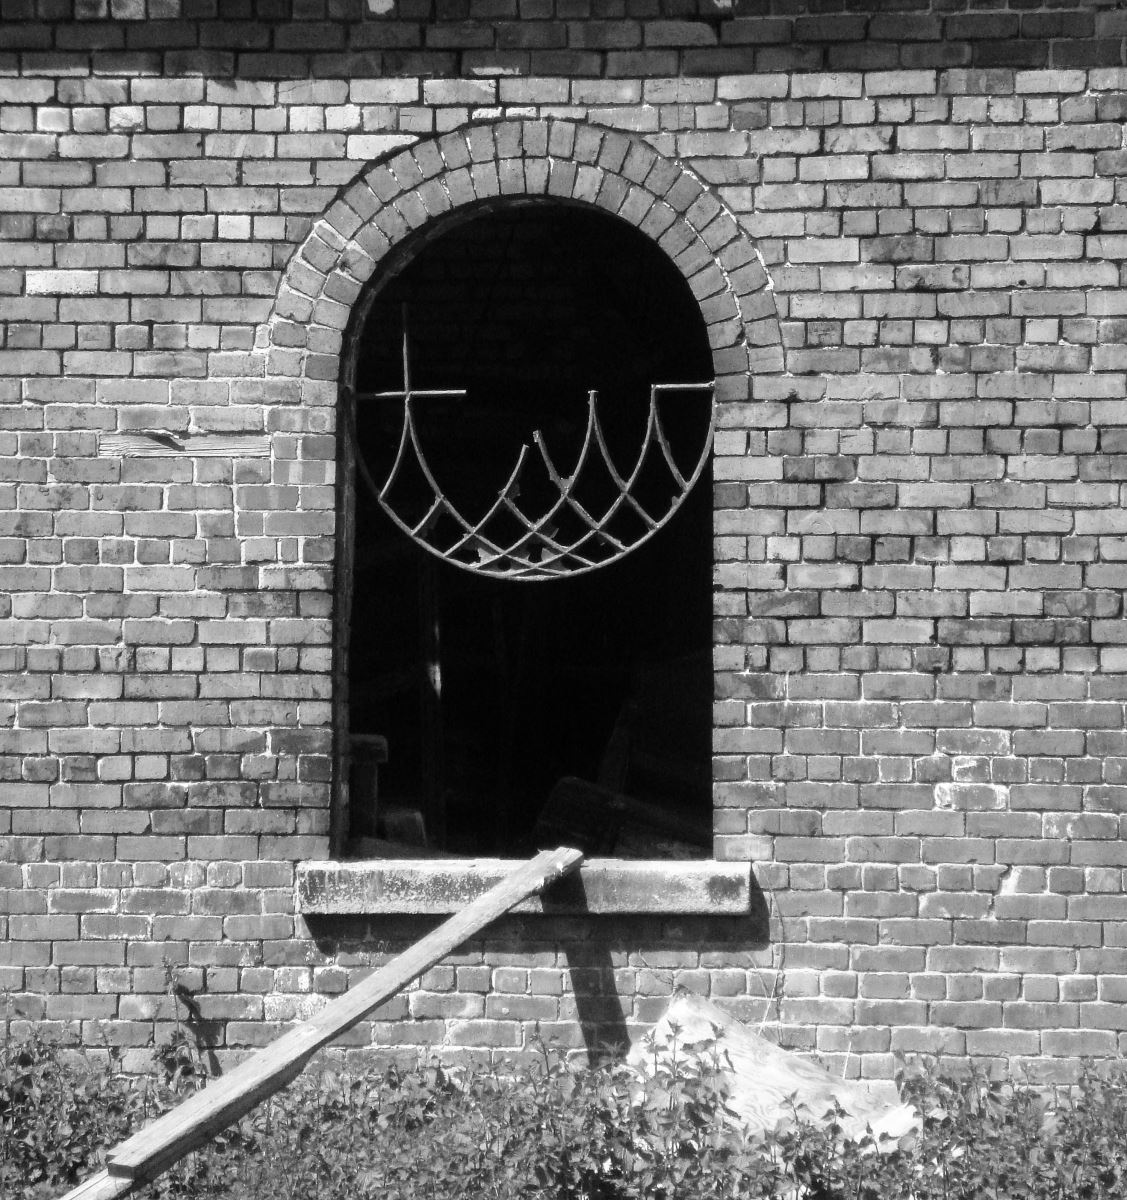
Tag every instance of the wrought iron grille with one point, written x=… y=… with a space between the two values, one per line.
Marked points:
x=545 y=522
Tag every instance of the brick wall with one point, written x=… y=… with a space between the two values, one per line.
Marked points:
x=920 y=734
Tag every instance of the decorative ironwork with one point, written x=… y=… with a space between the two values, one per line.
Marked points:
x=594 y=515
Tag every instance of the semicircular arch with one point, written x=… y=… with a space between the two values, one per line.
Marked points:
x=421 y=188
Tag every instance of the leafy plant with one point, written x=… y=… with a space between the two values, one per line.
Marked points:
x=556 y=1130
x=55 y=1117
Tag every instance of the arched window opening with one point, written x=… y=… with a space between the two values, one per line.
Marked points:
x=561 y=690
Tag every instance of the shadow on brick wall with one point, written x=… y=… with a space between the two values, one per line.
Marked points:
x=581 y=982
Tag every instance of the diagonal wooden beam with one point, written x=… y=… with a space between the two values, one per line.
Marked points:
x=156 y=1147
x=103 y=1186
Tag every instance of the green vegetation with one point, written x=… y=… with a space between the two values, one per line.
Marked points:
x=556 y=1129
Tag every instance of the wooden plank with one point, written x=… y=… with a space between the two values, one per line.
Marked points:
x=174 y=445
x=102 y=1186
x=170 y=1137
x=414 y=884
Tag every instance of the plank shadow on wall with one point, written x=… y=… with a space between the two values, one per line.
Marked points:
x=576 y=974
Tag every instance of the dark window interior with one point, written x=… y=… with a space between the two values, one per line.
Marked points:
x=486 y=715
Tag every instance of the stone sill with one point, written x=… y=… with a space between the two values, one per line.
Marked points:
x=601 y=886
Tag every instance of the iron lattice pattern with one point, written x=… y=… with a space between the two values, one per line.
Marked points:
x=545 y=523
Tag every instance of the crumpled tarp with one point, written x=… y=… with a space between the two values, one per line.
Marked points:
x=769 y=1087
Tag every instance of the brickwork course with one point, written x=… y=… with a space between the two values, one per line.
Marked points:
x=906 y=227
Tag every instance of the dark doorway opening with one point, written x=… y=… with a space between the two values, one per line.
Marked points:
x=469 y=697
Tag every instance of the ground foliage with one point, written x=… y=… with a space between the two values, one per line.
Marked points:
x=557 y=1129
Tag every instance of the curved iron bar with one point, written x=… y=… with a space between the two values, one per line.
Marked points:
x=410 y=433
x=623 y=485
x=624 y=496
x=663 y=441
x=533 y=533
x=494 y=508
x=567 y=486
x=556 y=559
x=688 y=484
x=653 y=428
x=488 y=550
x=406 y=433
x=595 y=428
x=535 y=528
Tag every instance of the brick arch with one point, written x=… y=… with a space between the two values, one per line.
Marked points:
x=569 y=161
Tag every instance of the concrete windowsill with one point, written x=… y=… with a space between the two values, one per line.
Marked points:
x=601 y=886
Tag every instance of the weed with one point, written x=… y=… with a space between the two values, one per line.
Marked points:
x=555 y=1130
